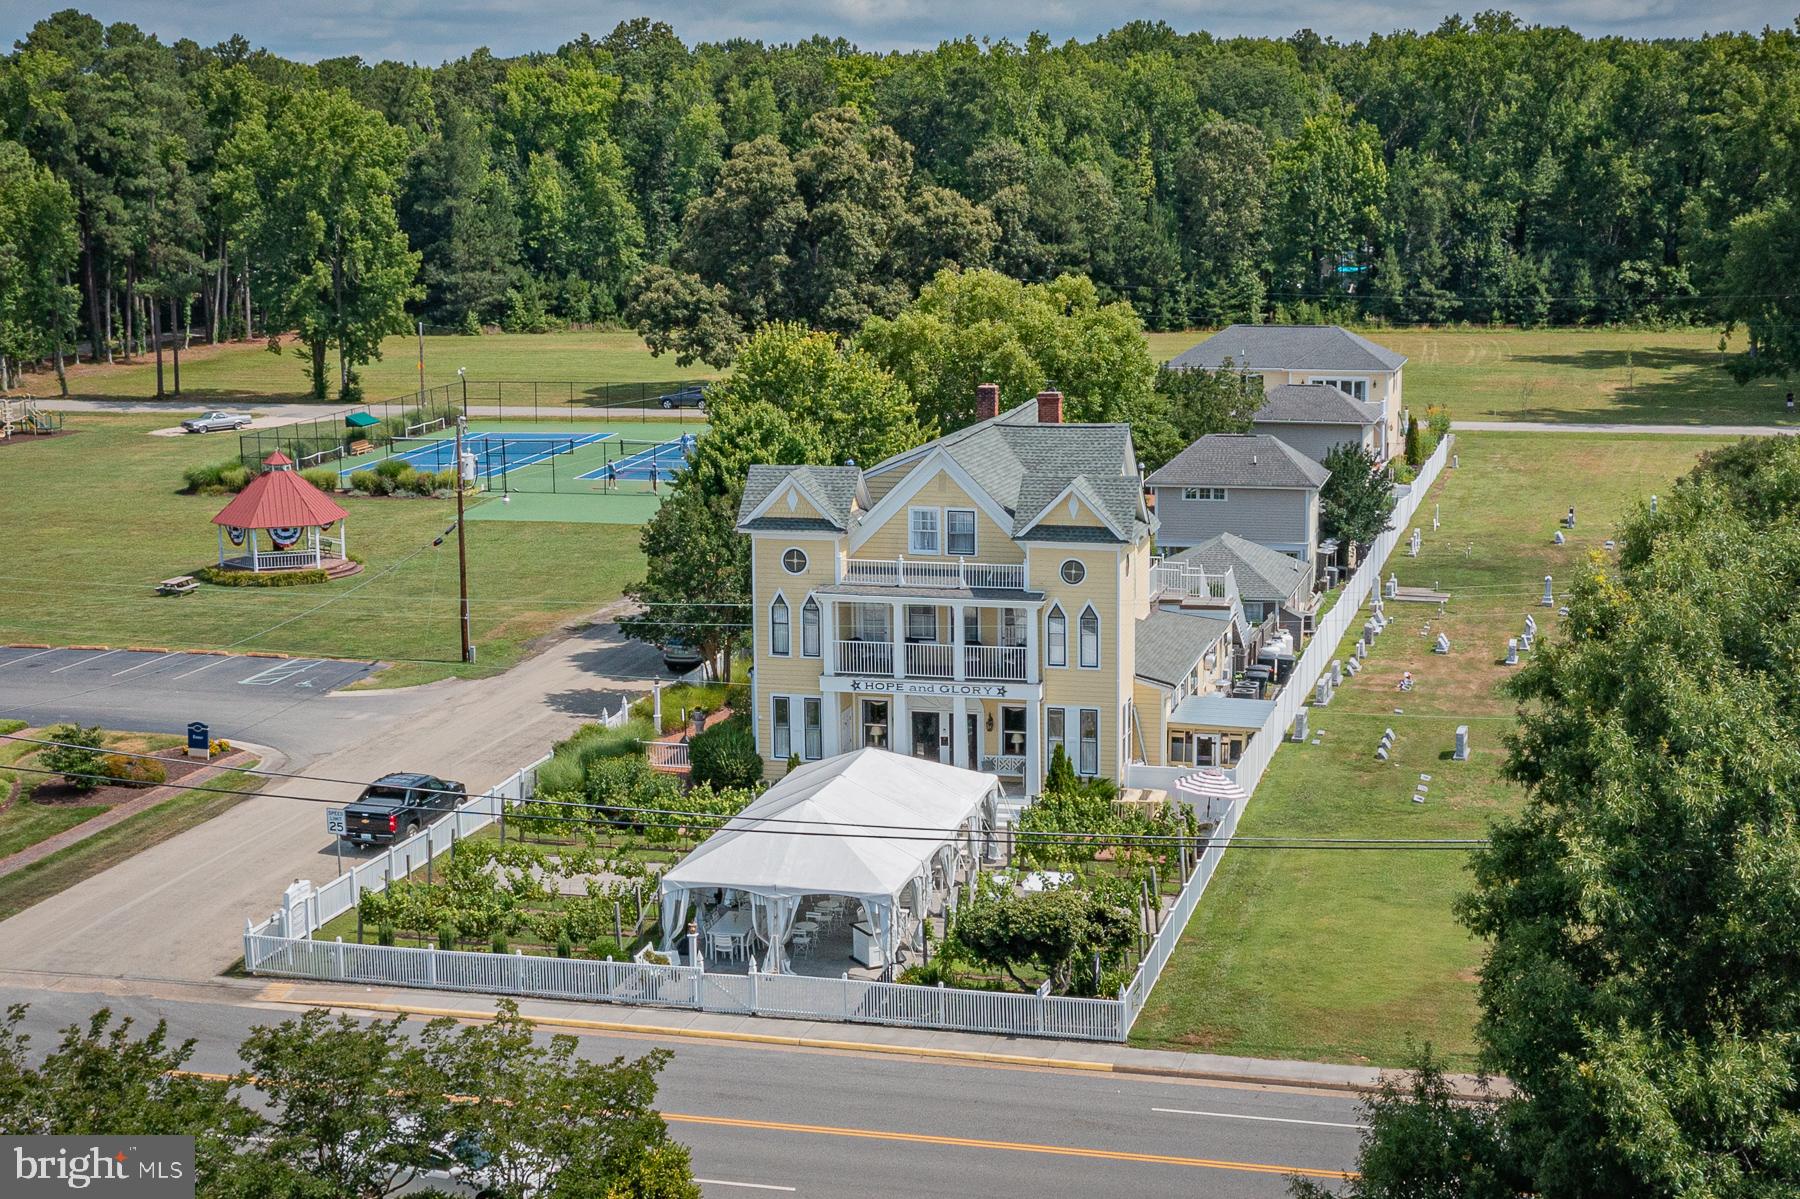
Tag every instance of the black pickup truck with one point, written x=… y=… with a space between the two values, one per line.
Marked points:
x=396 y=806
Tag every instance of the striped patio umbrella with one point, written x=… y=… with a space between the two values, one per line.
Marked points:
x=1210 y=785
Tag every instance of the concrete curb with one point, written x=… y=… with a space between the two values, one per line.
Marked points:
x=978 y=1057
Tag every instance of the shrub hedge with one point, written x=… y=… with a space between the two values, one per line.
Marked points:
x=251 y=578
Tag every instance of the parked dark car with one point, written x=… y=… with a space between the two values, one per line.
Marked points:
x=396 y=806
x=691 y=396
x=680 y=657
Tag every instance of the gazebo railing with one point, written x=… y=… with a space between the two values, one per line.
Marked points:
x=275 y=560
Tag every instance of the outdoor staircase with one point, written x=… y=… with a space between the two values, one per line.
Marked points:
x=1009 y=808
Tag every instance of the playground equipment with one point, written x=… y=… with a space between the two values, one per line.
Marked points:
x=20 y=414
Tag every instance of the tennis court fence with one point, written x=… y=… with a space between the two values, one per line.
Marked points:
x=328 y=437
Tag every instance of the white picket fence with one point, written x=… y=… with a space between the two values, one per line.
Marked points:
x=1312 y=664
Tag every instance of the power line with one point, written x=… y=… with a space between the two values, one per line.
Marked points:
x=823 y=827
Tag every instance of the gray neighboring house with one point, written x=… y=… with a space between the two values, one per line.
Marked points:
x=1271 y=585
x=1315 y=418
x=1250 y=484
x=1284 y=354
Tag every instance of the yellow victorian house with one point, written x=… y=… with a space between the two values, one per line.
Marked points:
x=982 y=599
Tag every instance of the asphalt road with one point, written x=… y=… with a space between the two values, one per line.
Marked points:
x=776 y=1120
x=177 y=909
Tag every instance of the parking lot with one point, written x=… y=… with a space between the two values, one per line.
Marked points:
x=270 y=701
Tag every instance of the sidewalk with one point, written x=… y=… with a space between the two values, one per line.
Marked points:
x=676 y=1023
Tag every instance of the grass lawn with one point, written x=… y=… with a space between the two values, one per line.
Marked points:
x=244 y=370
x=1601 y=376
x=93 y=520
x=24 y=823
x=1343 y=956
x=107 y=848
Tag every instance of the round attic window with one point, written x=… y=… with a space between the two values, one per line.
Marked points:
x=1073 y=571
x=794 y=560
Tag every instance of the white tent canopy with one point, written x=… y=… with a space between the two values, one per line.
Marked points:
x=867 y=825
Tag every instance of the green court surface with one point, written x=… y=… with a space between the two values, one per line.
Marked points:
x=527 y=473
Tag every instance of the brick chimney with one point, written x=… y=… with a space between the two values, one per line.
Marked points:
x=987 y=401
x=1049 y=406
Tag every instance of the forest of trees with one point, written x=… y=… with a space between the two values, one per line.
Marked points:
x=1484 y=171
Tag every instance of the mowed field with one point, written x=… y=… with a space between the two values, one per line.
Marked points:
x=1561 y=376
x=93 y=519
x=218 y=375
x=1569 y=376
x=1346 y=955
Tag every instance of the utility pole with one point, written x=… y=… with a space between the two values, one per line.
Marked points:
x=462 y=545
x=463 y=376
x=422 y=370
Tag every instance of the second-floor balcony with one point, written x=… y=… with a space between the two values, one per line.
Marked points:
x=957 y=572
x=934 y=660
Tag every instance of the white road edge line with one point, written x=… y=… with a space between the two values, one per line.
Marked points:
x=754 y=1186
x=215 y=662
x=1181 y=1111
x=27 y=657
x=84 y=661
x=141 y=665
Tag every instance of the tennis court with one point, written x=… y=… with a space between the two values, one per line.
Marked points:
x=495 y=453
x=656 y=462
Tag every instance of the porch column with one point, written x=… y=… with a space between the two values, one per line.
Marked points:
x=958 y=669
x=959 y=732
x=315 y=546
x=1033 y=756
x=221 y=529
x=253 y=565
x=828 y=636
x=830 y=721
x=1032 y=672
x=344 y=538
x=900 y=733
x=899 y=639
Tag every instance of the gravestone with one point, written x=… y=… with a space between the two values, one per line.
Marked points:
x=1393 y=586
x=1549 y=600
x=1322 y=692
x=1531 y=624
x=1434 y=517
x=1442 y=645
x=1300 y=725
x=1455 y=461
x=1653 y=505
x=1362 y=648
x=1337 y=672
x=1352 y=667
x=1412 y=545
x=1611 y=544
x=1462 y=743
x=1381 y=753
x=1512 y=651
x=1558 y=539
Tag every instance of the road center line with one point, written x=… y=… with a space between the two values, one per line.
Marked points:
x=84 y=661
x=754 y=1186
x=141 y=665
x=1117 y=1155
x=1182 y=1111
x=27 y=657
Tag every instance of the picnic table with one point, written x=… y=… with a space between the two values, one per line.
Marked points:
x=179 y=585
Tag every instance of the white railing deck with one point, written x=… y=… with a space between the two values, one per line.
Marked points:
x=1189 y=580
x=667 y=755
x=930 y=660
x=276 y=560
x=954 y=572
x=995 y=663
x=865 y=657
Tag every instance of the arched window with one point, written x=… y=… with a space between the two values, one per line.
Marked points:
x=1090 y=637
x=809 y=628
x=1057 y=643
x=780 y=631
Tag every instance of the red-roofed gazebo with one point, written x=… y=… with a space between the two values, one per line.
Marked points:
x=294 y=515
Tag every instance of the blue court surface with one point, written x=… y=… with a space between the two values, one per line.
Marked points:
x=495 y=453
x=664 y=461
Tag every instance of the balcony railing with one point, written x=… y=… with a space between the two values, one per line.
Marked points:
x=898 y=572
x=1189 y=581
x=865 y=657
x=930 y=660
x=994 y=663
